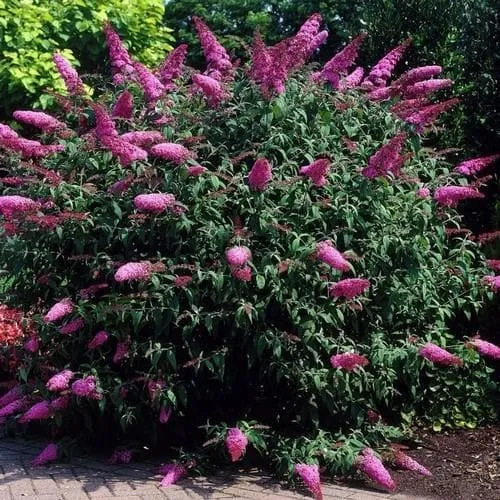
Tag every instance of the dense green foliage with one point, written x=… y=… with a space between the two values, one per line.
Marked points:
x=32 y=30
x=252 y=352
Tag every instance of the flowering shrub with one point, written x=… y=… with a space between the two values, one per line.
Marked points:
x=264 y=258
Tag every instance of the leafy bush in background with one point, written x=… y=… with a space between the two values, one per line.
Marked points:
x=185 y=262
x=31 y=30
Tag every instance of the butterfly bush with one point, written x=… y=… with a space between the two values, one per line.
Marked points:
x=256 y=261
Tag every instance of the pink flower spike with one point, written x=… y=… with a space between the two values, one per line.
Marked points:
x=133 y=271
x=348 y=361
x=493 y=282
x=46 y=123
x=451 y=195
x=415 y=75
x=386 y=159
x=12 y=395
x=124 y=106
x=165 y=415
x=317 y=171
x=172 y=472
x=60 y=381
x=382 y=71
x=493 y=264
x=340 y=63
x=39 y=411
x=368 y=463
x=405 y=462
x=427 y=115
x=310 y=475
x=49 y=454
x=439 y=356
x=59 y=311
x=152 y=87
x=72 y=327
x=352 y=80
x=61 y=403
x=425 y=88
x=16 y=406
x=99 y=339
x=349 y=288
x=142 y=138
x=70 y=76
x=211 y=88
x=238 y=256
x=170 y=151
x=172 y=66
x=470 y=167
x=486 y=348
x=260 y=175
x=325 y=252
x=154 y=202
x=86 y=388
x=196 y=170
x=15 y=204
x=236 y=443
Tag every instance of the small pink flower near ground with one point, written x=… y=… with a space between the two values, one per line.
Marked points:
x=48 y=454
x=238 y=256
x=403 y=461
x=260 y=175
x=368 y=463
x=236 y=443
x=439 y=356
x=154 y=202
x=485 y=348
x=348 y=361
x=310 y=475
x=59 y=311
x=327 y=253
x=349 y=288
x=172 y=473
x=99 y=339
x=60 y=381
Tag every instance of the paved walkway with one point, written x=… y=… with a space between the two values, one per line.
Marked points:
x=87 y=479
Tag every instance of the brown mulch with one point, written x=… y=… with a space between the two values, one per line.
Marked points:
x=465 y=465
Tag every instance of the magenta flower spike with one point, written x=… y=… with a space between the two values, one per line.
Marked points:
x=72 y=80
x=59 y=311
x=48 y=454
x=310 y=475
x=60 y=381
x=405 y=462
x=172 y=66
x=439 y=356
x=349 y=288
x=368 y=463
x=236 y=443
x=348 y=361
x=260 y=175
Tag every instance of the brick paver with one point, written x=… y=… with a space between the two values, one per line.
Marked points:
x=90 y=478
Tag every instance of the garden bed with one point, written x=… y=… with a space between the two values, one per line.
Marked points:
x=465 y=464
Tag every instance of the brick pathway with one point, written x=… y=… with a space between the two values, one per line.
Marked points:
x=88 y=478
